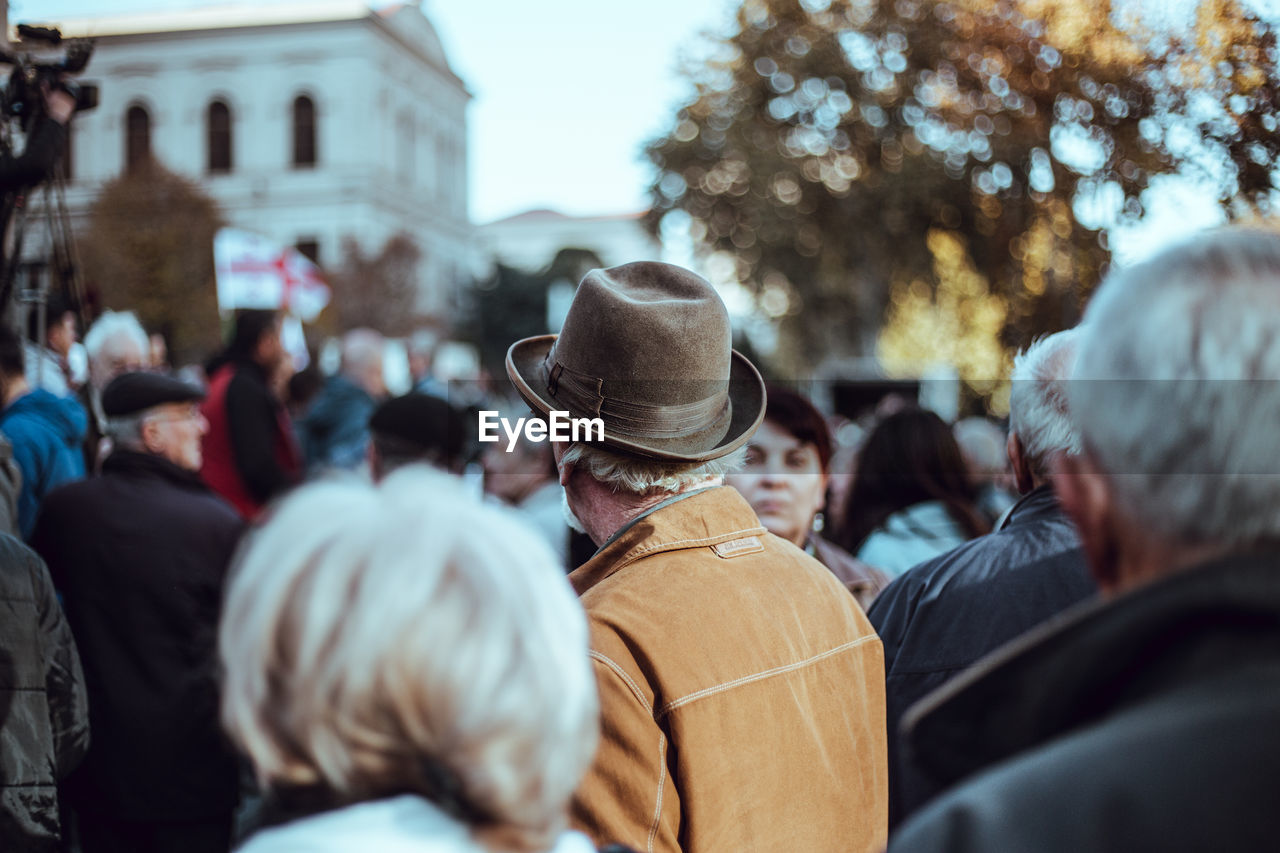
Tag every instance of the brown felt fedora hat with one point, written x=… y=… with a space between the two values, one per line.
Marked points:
x=647 y=348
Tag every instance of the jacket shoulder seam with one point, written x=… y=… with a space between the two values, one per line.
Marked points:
x=627 y=679
x=760 y=676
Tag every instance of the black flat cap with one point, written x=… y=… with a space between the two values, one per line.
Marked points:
x=130 y=393
x=420 y=423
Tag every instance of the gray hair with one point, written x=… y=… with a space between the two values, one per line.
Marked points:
x=417 y=641
x=362 y=349
x=1175 y=389
x=648 y=476
x=112 y=325
x=1038 y=399
x=126 y=431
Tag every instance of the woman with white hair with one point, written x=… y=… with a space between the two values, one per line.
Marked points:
x=407 y=670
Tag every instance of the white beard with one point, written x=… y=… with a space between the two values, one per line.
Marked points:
x=569 y=518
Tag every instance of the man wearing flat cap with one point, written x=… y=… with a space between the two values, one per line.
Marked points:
x=139 y=555
x=741 y=687
x=415 y=429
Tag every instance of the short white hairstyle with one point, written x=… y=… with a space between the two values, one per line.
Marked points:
x=1175 y=389
x=1038 y=410
x=648 y=476
x=405 y=638
x=362 y=349
x=113 y=325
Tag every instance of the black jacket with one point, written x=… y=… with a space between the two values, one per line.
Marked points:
x=44 y=722
x=1145 y=723
x=943 y=615
x=139 y=555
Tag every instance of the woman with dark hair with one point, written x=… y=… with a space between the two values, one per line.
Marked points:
x=911 y=498
x=250 y=454
x=785 y=481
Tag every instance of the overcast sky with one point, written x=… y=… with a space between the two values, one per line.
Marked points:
x=566 y=91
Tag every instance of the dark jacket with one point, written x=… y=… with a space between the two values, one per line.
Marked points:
x=43 y=148
x=139 y=555
x=44 y=720
x=46 y=432
x=1143 y=723
x=250 y=454
x=335 y=430
x=943 y=615
x=10 y=488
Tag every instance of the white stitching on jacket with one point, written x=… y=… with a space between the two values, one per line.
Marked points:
x=747 y=679
x=618 y=671
x=662 y=782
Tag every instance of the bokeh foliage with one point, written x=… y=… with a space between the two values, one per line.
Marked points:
x=375 y=290
x=149 y=249
x=949 y=168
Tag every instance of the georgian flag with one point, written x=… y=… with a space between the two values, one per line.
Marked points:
x=255 y=272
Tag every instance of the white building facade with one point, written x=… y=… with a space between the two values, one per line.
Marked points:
x=530 y=240
x=310 y=125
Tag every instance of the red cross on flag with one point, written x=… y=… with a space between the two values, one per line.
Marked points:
x=255 y=272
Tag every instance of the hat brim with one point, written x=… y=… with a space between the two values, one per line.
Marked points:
x=747 y=399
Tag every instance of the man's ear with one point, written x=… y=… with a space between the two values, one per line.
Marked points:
x=1087 y=498
x=1022 y=476
x=148 y=431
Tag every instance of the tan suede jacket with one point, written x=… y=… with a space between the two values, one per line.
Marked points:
x=742 y=691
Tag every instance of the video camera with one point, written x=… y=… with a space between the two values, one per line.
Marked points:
x=22 y=99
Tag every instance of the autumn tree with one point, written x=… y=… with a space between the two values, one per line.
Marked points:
x=377 y=290
x=149 y=249
x=952 y=166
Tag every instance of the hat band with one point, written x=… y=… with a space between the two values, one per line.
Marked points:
x=584 y=395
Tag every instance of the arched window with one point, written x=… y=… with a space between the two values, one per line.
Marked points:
x=304 y=131
x=137 y=138
x=218 y=125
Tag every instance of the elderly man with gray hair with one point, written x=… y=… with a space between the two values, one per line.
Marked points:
x=139 y=555
x=944 y=614
x=1148 y=720
x=741 y=686
x=335 y=431
x=116 y=343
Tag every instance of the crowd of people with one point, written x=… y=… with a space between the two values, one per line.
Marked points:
x=257 y=611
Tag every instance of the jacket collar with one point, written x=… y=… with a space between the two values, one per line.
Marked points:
x=132 y=463
x=703 y=518
x=1037 y=504
x=1096 y=658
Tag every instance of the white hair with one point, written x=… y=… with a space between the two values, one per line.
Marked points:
x=648 y=476
x=112 y=325
x=415 y=641
x=1038 y=412
x=362 y=349
x=1175 y=389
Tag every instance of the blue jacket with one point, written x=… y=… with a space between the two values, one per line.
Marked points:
x=47 y=433
x=335 y=431
x=940 y=617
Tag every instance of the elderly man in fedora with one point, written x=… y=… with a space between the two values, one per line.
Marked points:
x=742 y=688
